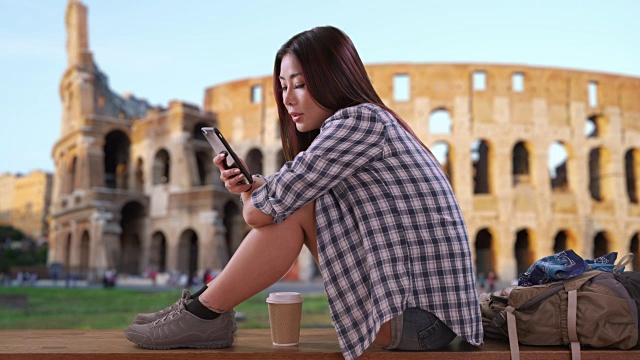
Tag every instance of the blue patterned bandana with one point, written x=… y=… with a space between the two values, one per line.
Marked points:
x=564 y=265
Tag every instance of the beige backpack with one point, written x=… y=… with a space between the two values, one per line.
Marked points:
x=593 y=309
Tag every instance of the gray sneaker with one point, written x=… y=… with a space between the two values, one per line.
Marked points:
x=147 y=318
x=182 y=329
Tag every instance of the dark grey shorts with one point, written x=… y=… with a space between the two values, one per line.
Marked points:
x=419 y=330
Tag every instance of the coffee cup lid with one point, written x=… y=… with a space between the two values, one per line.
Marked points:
x=284 y=298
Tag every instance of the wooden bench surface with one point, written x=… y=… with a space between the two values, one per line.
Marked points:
x=255 y=344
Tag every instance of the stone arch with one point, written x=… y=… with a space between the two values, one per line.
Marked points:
x=443 y=153
x=601 y=244
x=85 y=251
x=558 y=160
x=67 y=255
x=158 y=252
x=161 y=167
x=116 y=159
x=254 y=161
x=523 y=250
x=72 y=174
x=232 y=221
x=440 y=122
x=188 y=254
x=197 y=131
x=205 y=168
x=485 y=259
x=481 y=157
x=634 y=247
x=596 y=126
x=590 y=127
x=132 y=225
x=632 y=174
x=601 y=180
x=521 y=159
x=564 y=240
x=139 y=181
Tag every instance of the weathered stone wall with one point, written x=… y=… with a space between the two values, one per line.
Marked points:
x=546 y=106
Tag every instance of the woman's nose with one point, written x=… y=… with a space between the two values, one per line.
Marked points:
x=289 y=98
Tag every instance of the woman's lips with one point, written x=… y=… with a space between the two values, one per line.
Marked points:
x=295 y=116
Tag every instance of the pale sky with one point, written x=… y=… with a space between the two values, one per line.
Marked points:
x=163 y=50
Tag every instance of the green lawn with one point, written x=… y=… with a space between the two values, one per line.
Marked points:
x=80 y=308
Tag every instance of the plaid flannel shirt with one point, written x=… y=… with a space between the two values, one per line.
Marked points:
x=391 y=235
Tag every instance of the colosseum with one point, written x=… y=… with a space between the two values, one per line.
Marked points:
x=541 y=160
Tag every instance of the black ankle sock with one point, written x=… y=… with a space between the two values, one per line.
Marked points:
x=195 y=295
x=196 y=308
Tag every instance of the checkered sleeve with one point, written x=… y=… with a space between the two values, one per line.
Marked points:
x=348 y=141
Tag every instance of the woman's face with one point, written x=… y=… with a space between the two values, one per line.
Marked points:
x=304 y=110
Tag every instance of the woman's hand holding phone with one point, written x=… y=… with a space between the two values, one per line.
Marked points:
x=231 y=177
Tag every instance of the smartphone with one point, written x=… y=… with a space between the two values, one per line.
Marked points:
x=220 y=145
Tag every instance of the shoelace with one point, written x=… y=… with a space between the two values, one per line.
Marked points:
x=176 y=305
x=170 y=315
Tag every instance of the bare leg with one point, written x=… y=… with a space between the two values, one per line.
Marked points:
x=264 y=256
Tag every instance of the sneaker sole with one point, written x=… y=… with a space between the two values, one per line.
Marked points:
x=234 y=329
x=206 y=345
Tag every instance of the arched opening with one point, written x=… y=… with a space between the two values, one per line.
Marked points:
x=440 y=122
x=158 y=252
x=72 y=173
x=204 y=163
x=521 y=164
x=632 y=174
x=188 y=255
x=132 y=224
x=67 y=256
x=139 y=174
x=600 y=178
x=600 y=245
x=523 y=252
x=484 y=252
x=254 y=161
x=197 y=131
x=635 y=249
x=480 y=157
x=560 y=242
x=232 y=222
x=161 y=167
x=596 y=126
x=590 y=128
x=116 y=159
x=85 y=246
x=557 y=161
x=564 y=240
x=442 y=153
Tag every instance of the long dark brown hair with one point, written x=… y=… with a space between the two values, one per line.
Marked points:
x=334 y=76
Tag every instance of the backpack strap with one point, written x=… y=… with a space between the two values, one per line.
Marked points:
x=572 y=311
x=623 y=262
x=513 y=333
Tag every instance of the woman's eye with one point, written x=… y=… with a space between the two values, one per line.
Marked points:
x=284 y=88
x=299 y=86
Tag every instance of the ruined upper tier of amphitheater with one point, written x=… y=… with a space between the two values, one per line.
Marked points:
x=540 y=159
